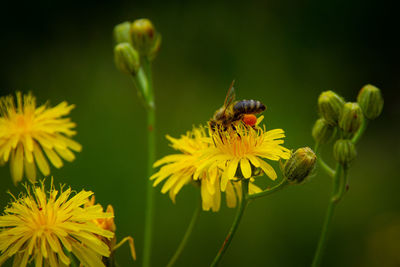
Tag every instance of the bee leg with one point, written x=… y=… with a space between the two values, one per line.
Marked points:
x=235 y=129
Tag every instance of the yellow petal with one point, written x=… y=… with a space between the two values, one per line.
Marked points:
x=206 y=199
x=169 y=183
x=53 y=157
x=216 y=199
x=268 y=170
x=230 y=196
x=17 y=164
x=75 y=146
x=65 y=154
x=254 y=160
x=229 y=173
x=30 y=170
x=245 y=167
x=40 y=159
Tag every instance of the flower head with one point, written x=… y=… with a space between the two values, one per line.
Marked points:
x=241 y=150
x=40 y=227
x=183 y=168
x=26 y=131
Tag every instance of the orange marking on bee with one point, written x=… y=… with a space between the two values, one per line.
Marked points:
x=250 y=119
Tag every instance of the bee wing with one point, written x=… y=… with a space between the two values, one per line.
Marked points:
x=230 y=96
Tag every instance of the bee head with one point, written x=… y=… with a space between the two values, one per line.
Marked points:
x=219 y=114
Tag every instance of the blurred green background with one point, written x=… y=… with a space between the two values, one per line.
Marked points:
x=282 y=53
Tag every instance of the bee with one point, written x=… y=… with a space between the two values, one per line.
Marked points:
x=233 y=111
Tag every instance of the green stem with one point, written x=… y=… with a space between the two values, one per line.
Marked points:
x=325 y=166
x=238 y=217
x=185 y=238
x=322 y=163
x=360 y=131
x=328 y=218
x=151 y=143
x=342 y=187
x=147 y=70
x=141 y=84
x=269 y=191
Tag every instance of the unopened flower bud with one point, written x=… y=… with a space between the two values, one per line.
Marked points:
x=299 y=165
x=330 y=106
x=126 y=58
x=351 y=118
x=145 y=38
x=371 y=101
x=322 y=131
x=344 y=151
x=122 y=32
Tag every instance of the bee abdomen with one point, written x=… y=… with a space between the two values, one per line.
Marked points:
x=248 y=107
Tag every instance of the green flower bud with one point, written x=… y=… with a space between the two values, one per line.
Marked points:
x=122 y=32
x=126 y=58
x=323 y=132
x=145 y=38
x=299 y=165
x=351 y=118
x=344 y=151
x=371 y=101
x=330 y=106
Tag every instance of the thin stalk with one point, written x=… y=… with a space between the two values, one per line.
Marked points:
x=185 y=238
x=151 y=146
x=325 y=166
x=328 y=218
x=360 y=131
x=269 y=191
x=322 y=163
x=343 y=184
x=238 y=217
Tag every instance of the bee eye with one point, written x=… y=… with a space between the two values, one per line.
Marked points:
x=249 y=119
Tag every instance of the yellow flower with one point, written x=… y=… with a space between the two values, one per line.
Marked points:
x=26 y=131
x=42 y=227
x=179 y=170
x=241 y=149
x=109 y=225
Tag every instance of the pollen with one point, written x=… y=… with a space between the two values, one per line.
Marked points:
x=250 y=119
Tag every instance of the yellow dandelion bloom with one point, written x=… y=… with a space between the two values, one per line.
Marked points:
x=240 y=149
x=40 y=227
x=179 y=169
x=26 y=131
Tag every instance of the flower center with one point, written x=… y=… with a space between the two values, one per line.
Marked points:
x=22 y=123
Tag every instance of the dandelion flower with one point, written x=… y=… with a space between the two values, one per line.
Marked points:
x=40 y=227
x=26 y=131
x=179 y=169
x=240 y=149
